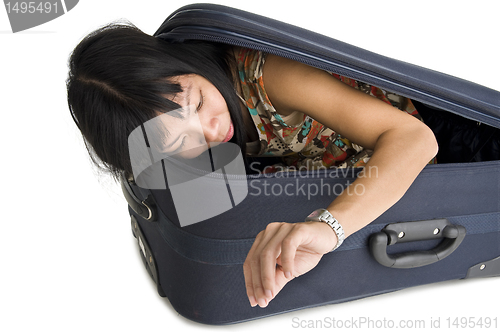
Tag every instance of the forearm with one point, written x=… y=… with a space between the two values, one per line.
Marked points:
x=399 y=156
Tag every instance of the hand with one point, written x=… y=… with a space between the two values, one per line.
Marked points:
x=282 y=252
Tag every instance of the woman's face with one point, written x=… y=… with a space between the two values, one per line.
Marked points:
x=203 y=121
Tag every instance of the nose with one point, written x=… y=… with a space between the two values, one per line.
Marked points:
x=211 y=129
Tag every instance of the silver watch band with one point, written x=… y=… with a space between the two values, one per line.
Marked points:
x=326 y=217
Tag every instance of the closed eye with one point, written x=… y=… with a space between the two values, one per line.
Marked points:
x=179 y=149
x=200 y=103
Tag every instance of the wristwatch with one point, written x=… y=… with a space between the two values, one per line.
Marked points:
x=325 y=216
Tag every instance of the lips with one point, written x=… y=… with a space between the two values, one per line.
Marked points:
x=230 y=133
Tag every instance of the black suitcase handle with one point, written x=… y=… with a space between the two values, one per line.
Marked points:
x=416 y=231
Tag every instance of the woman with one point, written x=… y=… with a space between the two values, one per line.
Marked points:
x=120 y=78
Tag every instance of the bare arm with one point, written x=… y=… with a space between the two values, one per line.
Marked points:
x=402 y=147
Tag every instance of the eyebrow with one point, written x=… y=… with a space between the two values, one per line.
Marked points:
x=177 y=114
x=167 y=134
x=188 y=93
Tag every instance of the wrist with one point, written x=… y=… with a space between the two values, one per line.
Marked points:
x=328 y=234
x=324 y=216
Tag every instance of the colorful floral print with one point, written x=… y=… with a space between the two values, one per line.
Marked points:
x=307 y=144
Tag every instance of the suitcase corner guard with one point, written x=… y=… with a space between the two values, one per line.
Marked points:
x=489 y=268
x=416 y=231
x=146 y=255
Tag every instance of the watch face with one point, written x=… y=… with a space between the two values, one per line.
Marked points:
x=314 y=214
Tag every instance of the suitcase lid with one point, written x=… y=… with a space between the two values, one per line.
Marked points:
x=236 y=27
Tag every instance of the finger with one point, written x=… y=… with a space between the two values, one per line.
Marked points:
x=280 y=280
x=249 y=283
x=268 y=260
x=288 y=250
x=251 y=270
x=260 y=252
x=257 y=287
x=247 y=270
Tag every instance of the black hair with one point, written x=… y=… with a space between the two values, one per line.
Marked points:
x=119 y=77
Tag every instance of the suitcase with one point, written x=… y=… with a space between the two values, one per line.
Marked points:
x=445 y=227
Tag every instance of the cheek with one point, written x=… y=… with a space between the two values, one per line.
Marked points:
x=223 y=114
x=214 y=111
x=218 y=102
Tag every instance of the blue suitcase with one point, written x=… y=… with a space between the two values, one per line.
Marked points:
x=445 y=227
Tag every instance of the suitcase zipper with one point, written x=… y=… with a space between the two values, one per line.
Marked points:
x=214 y=34
x=193 y=33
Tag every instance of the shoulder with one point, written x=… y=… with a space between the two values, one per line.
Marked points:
x=293 y=86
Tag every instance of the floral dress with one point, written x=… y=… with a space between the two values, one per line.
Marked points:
x=303 y=142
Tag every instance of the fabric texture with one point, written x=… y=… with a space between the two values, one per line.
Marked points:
x=303 y=142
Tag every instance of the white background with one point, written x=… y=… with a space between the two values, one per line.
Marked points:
x=68 y=258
